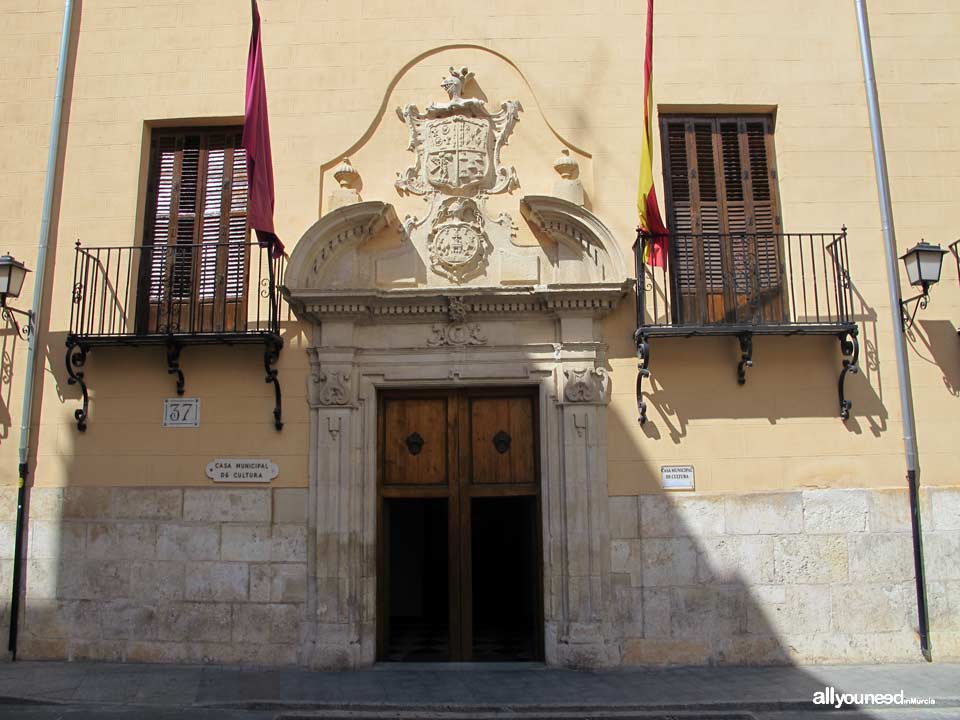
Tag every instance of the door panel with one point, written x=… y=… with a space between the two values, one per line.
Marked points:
x=501 y=440
x=416 y=441
x=472 y=453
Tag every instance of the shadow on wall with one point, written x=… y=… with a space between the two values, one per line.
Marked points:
x=936 y=342
x=806 y=576
x=8 y=351
x=791 y=377
x=42 y=322
x=120 y=568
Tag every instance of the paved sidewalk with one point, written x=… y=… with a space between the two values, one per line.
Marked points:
x=479 y=689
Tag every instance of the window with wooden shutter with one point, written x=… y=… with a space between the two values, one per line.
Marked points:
x=724 y=218
x=194 y=266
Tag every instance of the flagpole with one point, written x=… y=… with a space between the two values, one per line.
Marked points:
x=899 y=341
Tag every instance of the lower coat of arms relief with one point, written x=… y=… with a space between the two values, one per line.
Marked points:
x=457 y=245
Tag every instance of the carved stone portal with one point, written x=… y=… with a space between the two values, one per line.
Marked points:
x=450 y=300
x=457 y=144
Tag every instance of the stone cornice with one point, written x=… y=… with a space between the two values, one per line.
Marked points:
x=426 y=304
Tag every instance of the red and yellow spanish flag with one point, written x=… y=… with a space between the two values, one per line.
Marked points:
x=650 y=221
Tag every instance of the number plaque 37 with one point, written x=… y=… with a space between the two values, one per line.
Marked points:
x=181 y=412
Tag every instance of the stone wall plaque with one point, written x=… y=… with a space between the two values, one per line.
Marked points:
x=242 y=470
x=676 y=477
x=181 y=412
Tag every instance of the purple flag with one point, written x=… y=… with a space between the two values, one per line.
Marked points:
x=256 y=142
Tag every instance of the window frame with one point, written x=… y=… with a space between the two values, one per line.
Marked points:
x=716 y=311
x=213 y=315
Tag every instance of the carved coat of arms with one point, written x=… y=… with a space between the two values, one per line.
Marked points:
x=458 y=164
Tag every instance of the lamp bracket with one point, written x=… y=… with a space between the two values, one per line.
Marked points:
x=919 y=302
x=9 y=314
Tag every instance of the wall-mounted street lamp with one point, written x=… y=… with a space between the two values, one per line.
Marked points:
x=12 y=274
x=923 y=262
x=955 y=249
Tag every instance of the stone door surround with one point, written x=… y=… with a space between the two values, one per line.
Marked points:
x=367 y=338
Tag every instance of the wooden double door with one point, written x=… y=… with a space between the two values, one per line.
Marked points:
x=459 y=541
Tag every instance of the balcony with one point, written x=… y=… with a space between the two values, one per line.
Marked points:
x=747 y=284
x=173 y=296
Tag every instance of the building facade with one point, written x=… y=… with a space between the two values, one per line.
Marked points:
x=450 y=424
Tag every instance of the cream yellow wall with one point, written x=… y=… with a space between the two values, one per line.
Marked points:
x=329 y=65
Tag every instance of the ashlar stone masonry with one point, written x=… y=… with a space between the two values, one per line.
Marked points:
x=166 y=575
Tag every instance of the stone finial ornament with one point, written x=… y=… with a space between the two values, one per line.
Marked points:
x=346 y=174
x=568 y=186
x=348 y=190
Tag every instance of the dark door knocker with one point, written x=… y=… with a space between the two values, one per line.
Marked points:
x=414 y=443
x=501 y=441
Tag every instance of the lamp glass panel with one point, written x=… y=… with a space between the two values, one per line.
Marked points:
x=16 y=277
x=4 y=279
x=912 y=262
x=930 y=262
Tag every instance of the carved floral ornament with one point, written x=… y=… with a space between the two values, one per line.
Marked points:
x=458 y=332
x=457 y=144
x=586 y=385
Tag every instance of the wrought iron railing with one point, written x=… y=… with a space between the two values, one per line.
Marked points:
x=200 y=292
x=175 y=295
x=712 y=283
x=747 y=284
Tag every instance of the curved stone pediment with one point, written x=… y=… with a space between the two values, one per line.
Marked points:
x=359 y=261
x=583 y=237
x=336 y=234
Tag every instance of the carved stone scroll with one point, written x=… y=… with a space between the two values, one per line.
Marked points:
x=586 y=385
x=333 y=387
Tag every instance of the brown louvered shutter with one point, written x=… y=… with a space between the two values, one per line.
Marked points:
x=696 y=219
x=724 y=216
x=194 y=271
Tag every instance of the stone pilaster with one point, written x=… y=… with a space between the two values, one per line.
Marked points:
x=583 y=635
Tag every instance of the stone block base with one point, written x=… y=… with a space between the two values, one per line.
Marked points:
x=190 y=575
x=820 y=576
x=221 y=576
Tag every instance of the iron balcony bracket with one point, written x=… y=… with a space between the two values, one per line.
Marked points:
x=849 y=346
x=746 y=356
x=270 y=356
x=643 y=371
x=76 y=359
x=173 y=364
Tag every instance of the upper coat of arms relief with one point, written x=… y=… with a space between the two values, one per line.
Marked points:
x=458 y=144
